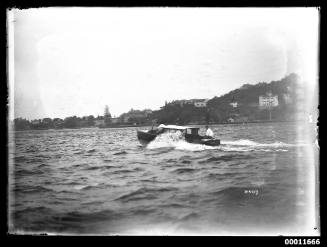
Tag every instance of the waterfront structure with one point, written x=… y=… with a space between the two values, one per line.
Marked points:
x=200 y=102
x=36 y=122
x=125 y=119
x=58 y=123
x=195 y=102
x=115 y=120
x=287 y=99
x=268 y=101
x=180 y=102
x=147 y=111
x=99 y=122
x=234 y=104
x=246 y=86
x=135 y=116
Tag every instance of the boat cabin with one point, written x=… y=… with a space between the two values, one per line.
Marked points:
x=186 y=130
x=192 y=131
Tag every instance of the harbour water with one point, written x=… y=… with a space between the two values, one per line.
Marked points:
x=260 y=181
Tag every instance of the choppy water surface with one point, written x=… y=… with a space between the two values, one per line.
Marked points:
x=103 y=181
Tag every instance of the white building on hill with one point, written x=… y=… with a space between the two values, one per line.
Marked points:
x=200 y=102
x=287 y=98
x=268 y=101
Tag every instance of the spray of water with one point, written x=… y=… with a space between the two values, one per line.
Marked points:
x=245 y=142
x=177 y=141
x=244 y=145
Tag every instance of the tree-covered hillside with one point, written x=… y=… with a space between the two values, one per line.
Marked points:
x=177 y=114
x=220 y=109
x=247 y=98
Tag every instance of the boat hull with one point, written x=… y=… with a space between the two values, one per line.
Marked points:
x=145 y=137
x=212 y=142
x=202 y=140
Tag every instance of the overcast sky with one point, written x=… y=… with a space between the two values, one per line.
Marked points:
x=74 y=61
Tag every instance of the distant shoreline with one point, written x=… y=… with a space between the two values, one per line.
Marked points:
x=149 y=125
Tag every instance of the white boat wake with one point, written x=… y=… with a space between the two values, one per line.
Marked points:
x=176 y=140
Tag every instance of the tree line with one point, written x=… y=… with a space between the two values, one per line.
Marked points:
x=220 y=109
x=55 y=123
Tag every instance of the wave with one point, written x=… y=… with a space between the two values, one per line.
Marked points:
x=230 y=192
x=20 y=159
x=79 y=165
x=140 y=162
x=143 y=211
x=71 y=183
x=42 y=166
x=109 y=167
x=89 y=187
x=31 y=149
x=173 y=205
x=92 y=168
x=40 y=209
x=183 y=145
x=232 y=157
x=32 y=189
x=28 y=172
x=184 y=170
x=144 y=194
x=246 y=142
x=190 y=216
x=245 y=145
x=135 y=197
x=75 y=216
x=92 y=186
x=93 y=203
x=86 y=186
x=237 y=194
x=221 y=175
x=122 y=171
x=186 y=161
x=119 y=153
x=176 y=141
x=258 y=183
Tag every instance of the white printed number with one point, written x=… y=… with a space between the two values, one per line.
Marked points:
x=302 y=241
x=253 y=192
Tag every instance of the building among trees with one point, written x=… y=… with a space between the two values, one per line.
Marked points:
x=268 y=101
x=184 y=102
x=200 y=102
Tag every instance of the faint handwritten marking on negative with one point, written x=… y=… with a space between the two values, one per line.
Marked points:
x=251 y=192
